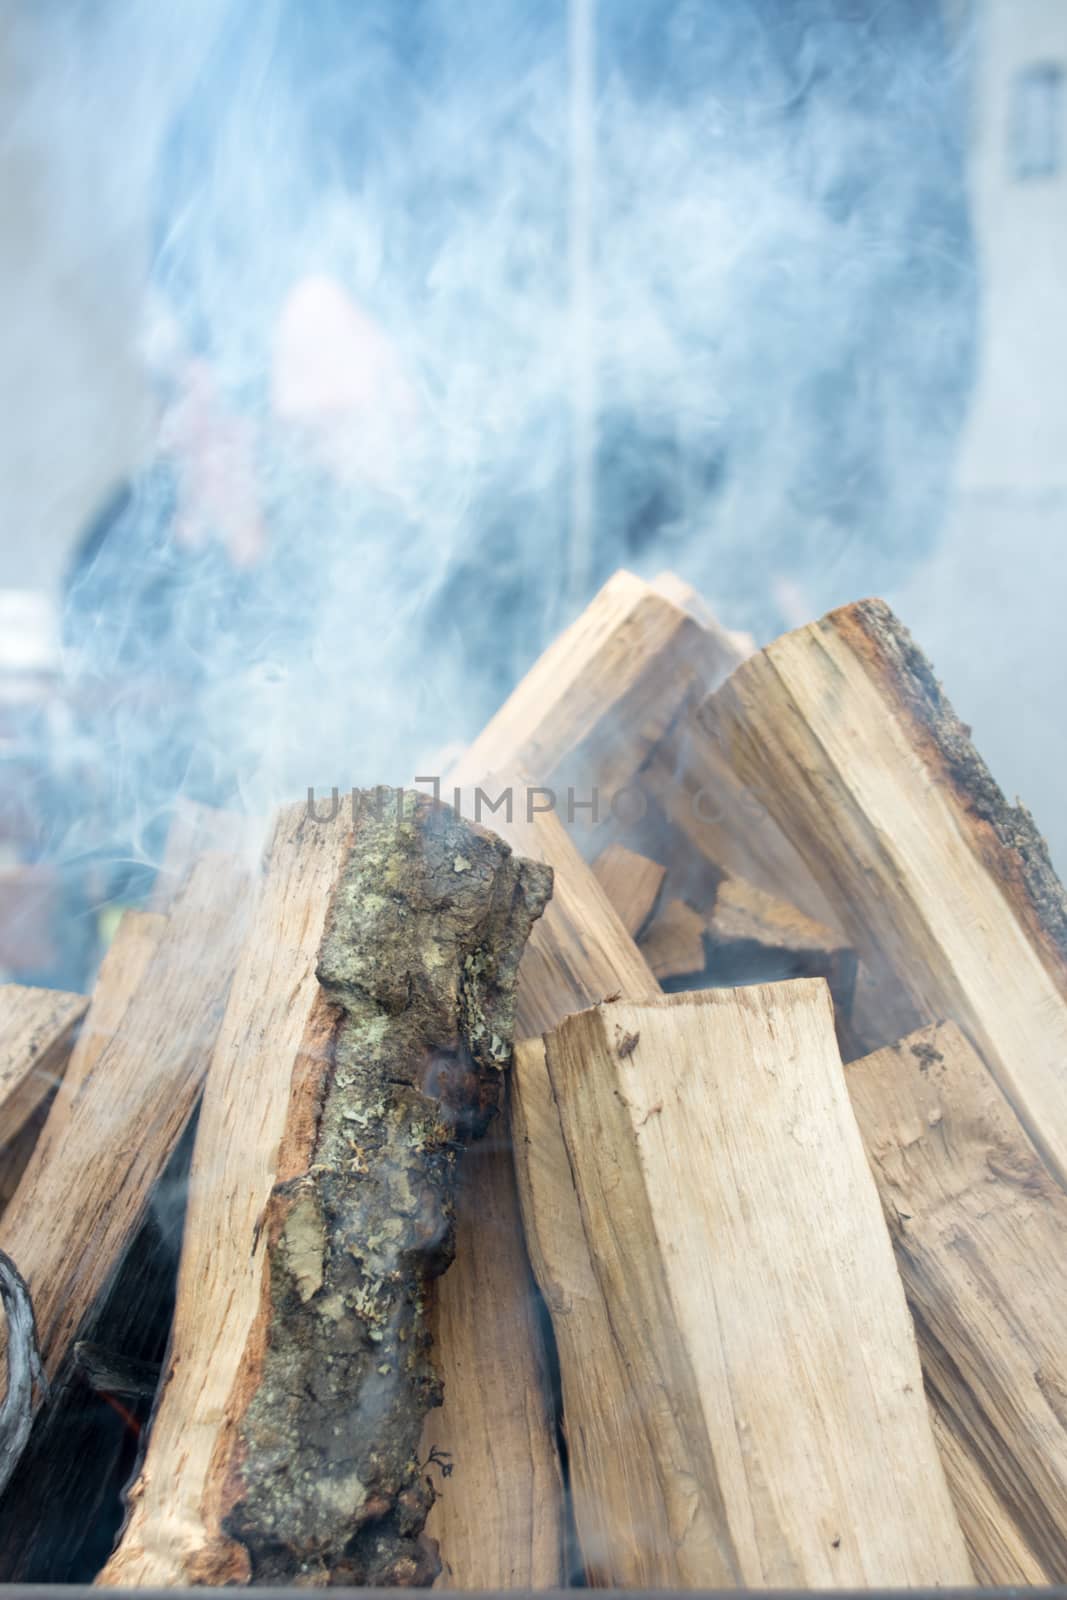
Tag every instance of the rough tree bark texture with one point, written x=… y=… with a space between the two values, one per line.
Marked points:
x=312 y=1473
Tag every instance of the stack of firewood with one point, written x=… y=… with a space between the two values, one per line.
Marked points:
x=719 y=1311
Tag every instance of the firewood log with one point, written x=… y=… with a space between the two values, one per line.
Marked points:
x=133 y=1080
x=498 y=1517
x=596 y=703
x=369 y=1022
x=579 y=952
x=673 y=944
x=755 y=937
x=37 y=1028
x=979 y=1228
x=736 y=1234
x=735 y=645
x=845 y=737
x=631 y=882
x=119 y=975
x=722 y=821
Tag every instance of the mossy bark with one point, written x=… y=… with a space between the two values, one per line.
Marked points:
x=420 y=957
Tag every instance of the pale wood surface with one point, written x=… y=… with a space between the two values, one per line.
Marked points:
x=724 y=822
x=631 y=882
x=844 y=735
x=274 y=1020
x=37 y=1028
x=744 y=913
x=120 y=972
x=578 y=953
x=602 y=695
x=499 y=1516
x=980 y=1230
x=753 y=937
x=673 y=944
x=737 y=1236
x=735 y=645
x=131 y=1085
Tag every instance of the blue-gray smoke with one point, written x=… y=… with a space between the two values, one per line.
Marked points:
x=779 y=328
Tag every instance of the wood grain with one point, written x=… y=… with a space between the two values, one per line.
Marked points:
x=631 y=882
x=596 y=703
x=737 y=1238
x=275 y=1016
x=673 y=943
x=37 y=1028
x=579 y=953
x=843 y=734
x=979 y=1229
x=499 y=1515
x=133 y=1080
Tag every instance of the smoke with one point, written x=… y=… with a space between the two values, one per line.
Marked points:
x=776 y=319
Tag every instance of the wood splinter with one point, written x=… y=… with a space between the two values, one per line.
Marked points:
x=391 y=1059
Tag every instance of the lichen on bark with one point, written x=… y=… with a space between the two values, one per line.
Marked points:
x=421 y=954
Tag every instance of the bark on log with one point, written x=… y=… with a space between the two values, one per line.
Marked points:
x=845 y=736
x=979 y=1229
x=370 y=1019
x=37 y=1028
x=737 y=1237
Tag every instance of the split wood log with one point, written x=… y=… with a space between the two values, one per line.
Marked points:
x=735 y=645
x=196 y=830
x=63 y=1509
x=578 y=953
x=119 y=975
x=132 y=1083
x=736 y=1234
x=631 y=882
x=498 y=1517
x=673 y=945
x=755 y=937
x=600 y=698
x=37 y=1028
x=979 y=1228
x=722 y=822
x=369 y=1021
x=128 y=1091
x=847 y=739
